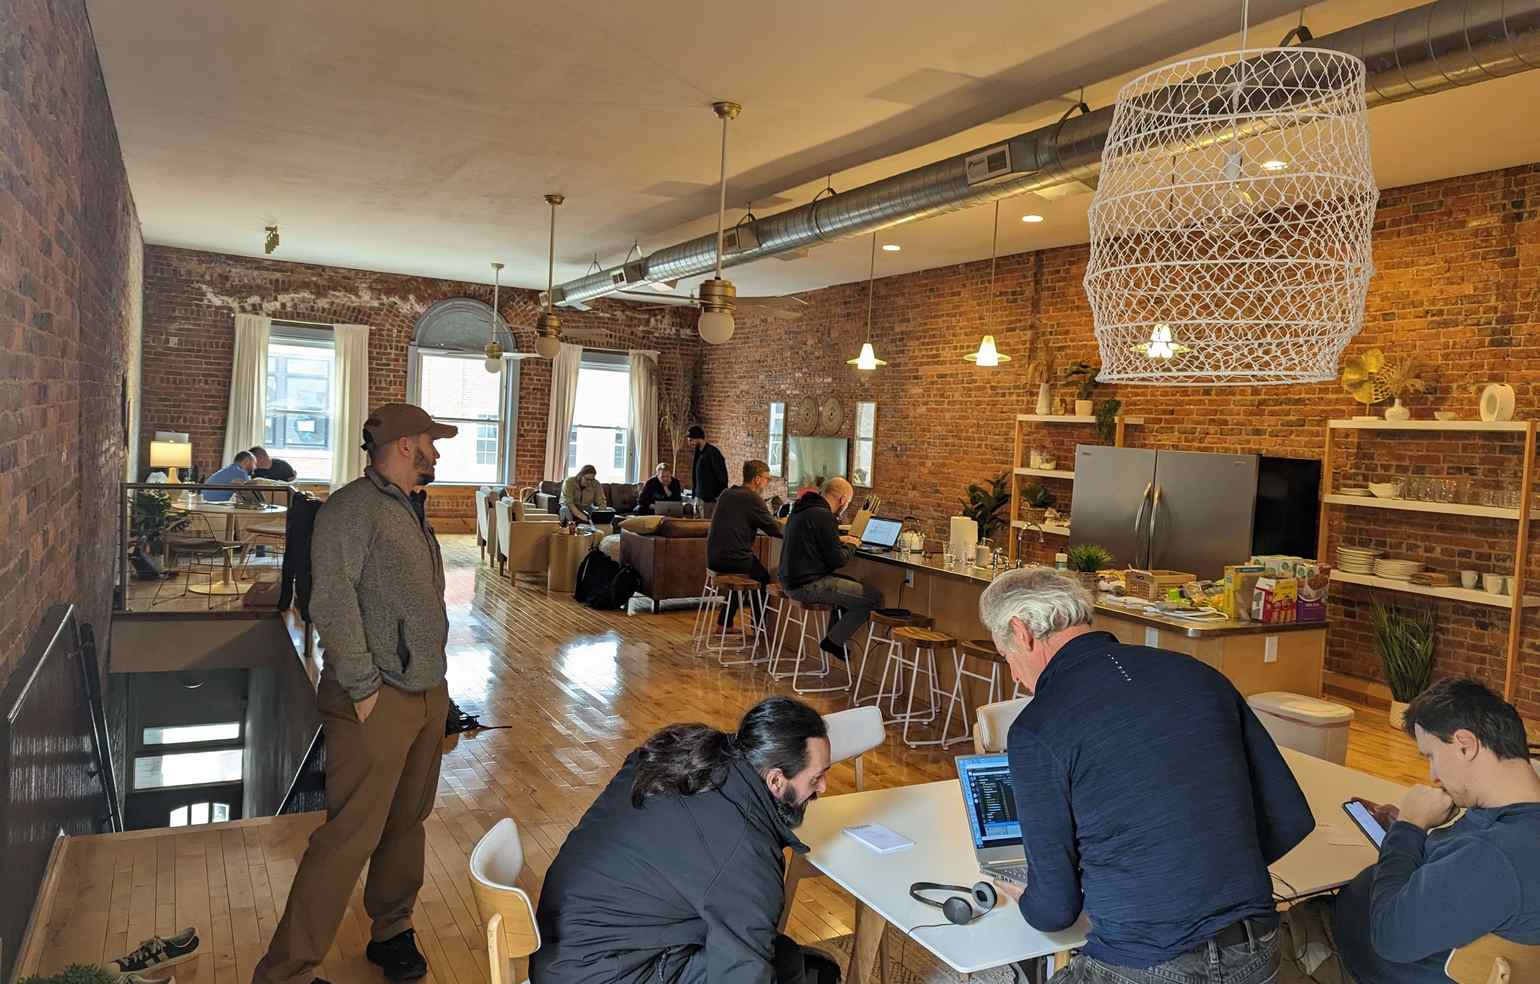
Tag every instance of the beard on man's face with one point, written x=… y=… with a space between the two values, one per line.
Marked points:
x=790 y=810
x=424 y=466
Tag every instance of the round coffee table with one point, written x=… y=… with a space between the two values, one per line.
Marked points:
x=226 y=585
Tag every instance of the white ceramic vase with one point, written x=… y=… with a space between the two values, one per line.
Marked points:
x=1398 y=714
x=1044 y=399
x=1083 y=408
x=1396 y=412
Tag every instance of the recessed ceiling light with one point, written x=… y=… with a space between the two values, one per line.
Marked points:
x=891 y=247
x=1031 y=218
x=1274 y=165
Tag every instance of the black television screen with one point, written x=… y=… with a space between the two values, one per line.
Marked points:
x=1288 y=512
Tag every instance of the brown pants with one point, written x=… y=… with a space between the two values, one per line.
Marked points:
x=381 y=777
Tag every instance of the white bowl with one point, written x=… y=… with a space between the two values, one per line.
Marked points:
x=1386 y=490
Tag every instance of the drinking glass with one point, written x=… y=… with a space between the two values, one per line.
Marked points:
x=950 y=558
x=1415 y=488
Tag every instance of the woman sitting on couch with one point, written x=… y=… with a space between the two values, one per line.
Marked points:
x=662 y=487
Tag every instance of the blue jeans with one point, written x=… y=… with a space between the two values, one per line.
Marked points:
x=1252 y=962
x=857 y=600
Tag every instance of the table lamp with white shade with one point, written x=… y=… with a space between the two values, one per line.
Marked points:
x=170 y=455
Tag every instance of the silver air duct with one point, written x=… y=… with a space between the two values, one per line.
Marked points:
x=1438 y=46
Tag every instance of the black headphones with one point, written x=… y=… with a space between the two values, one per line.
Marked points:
x=958 y=909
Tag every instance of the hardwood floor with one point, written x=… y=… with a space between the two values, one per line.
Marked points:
x=576 y=690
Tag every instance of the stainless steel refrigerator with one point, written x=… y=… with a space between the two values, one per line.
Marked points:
x=1189 y=510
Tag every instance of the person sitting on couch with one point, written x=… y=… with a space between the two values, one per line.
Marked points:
x=581 y=495
x=661 y=487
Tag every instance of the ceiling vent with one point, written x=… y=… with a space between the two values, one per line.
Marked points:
x=988 y=164
x=739 y=238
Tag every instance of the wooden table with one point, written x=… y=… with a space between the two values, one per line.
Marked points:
x=227 y=585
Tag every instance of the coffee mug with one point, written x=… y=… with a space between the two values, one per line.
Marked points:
x=1493 y=583
x=1469 y=579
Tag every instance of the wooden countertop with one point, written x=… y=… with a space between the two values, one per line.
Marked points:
x=1105 y=604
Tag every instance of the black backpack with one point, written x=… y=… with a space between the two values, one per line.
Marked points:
x=594 y=575
x=626 y=582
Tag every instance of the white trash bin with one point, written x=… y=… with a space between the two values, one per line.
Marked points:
x=1306 y=724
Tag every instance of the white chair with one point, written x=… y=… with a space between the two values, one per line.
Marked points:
x=512 y=934
x=853 y=733
x=994 y=722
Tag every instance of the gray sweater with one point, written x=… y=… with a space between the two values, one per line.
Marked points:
x=378 y=596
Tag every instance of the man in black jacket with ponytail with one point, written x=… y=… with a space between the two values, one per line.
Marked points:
x=675 y=874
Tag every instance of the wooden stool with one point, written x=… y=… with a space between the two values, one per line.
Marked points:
x=985 y=649
x=743 y=590
x=710 y=599
x=924 y=642
x=888 y=622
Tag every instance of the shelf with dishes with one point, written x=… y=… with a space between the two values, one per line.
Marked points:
x=1365 y=501
x=1474 y=596
x=1047 y=473
x=1052 y=529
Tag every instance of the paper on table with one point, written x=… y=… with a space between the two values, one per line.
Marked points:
x=879 y=838
x=1339 y=837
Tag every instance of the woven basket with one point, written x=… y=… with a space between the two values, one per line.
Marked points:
x=1152 y=585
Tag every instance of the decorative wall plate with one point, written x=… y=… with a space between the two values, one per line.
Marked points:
x=802 y=415
x=830 y=416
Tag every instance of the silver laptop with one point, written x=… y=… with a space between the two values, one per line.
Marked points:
x=674 y=509
x=990 y=802
x=880 y=534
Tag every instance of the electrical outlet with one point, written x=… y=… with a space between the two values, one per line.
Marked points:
x=1270 y=649
x=908 y=579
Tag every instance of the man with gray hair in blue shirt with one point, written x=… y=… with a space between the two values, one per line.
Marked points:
x=1149 y=794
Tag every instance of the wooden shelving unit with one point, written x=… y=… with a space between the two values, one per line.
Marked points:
x=1052 y=529
x=1516 y=601
x=1019 y=471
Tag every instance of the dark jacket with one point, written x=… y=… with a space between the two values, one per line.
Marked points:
x=682 y=890
x=812 y=549
x=1126 y=753
x=709 y=473
x=280 y=470
x=654 y=491
x=740 y=513
x=298 y=527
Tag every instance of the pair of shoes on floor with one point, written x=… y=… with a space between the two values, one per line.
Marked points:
x=398 y=957
x=155 y=954
x=834 y=649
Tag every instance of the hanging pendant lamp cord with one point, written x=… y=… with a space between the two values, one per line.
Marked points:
x=994 y=246
x=722 y=198
x=496 y=277
x=871 y=286
x=550 y=261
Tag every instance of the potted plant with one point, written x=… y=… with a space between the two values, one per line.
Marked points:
x=1083 y=375
x=984 y=503
x=1107 y=419
x=1035 y=502
x=76 y=974
x=1088 y=558
x=152 y=518
x=1403 y=638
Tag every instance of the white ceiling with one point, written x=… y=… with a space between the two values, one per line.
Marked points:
x=389 y=136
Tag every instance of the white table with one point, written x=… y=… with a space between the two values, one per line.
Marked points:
x=227 y=585
x=931 y=815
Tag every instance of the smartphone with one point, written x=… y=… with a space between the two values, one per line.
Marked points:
x=1365 y=821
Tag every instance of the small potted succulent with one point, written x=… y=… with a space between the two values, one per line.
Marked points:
x=1403 y=638
x=1083 y=376
x=1086 y=559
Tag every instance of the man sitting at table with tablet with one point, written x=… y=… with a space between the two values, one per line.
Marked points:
x=1149 y=796
x=1435 y=890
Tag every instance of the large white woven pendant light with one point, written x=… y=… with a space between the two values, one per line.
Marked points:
x=1230 y=230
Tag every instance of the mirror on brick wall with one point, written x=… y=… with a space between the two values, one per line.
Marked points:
x=866 y=442
x=777 y=438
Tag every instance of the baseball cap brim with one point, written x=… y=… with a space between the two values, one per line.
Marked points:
x=438 y=431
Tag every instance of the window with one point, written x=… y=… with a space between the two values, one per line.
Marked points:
x=195 y=813
x=866 y=440
x=188 y=734
x=457 y=390
x=777 y=437
x=187 y=769
x=301 y=378
x=601 y=417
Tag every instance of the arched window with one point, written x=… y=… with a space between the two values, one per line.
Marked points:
x=447 y=378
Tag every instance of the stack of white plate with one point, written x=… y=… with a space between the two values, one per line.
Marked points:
x=1357 y=560
x=1358 y=490
x=1397 y=570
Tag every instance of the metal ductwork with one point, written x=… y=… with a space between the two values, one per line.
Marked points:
x=1427 y=49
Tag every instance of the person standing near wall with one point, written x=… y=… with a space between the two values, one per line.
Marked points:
x=378 y=604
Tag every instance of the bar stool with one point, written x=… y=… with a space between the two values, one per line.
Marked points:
x=985 y=649
x=812 y=626
x=772 y=633
x=888 y=620
x=710 y=599
x=742 y=590
x=924 y=642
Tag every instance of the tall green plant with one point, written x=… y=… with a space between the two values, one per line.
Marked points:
x=1107 y=419
x=1403 y=638
x=984 y=503
x=153 y=518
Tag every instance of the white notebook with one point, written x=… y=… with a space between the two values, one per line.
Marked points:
x=879 y=838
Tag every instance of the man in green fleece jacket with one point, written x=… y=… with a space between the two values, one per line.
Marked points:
x=378 y=604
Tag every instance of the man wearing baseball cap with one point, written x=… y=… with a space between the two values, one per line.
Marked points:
x=378 y=604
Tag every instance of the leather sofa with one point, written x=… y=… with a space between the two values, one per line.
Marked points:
x=523 y=535
x=621 y=497
x=671 y=560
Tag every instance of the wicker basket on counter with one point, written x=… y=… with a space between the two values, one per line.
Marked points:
x=1153 y=585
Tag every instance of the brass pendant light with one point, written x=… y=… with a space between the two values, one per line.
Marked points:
x=717 y=295
x=548 y=328
x=494 y=349
x=867 y=361
x=987 y=355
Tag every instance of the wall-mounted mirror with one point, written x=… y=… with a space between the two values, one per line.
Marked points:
x=866 y=443
x=813 y=459
x=777 y=438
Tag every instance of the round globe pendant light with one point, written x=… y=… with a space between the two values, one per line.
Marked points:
x=494 y=349
x=1230 y=229
x=867 y=361
x=987 y=355
x=548 y=328
x=717 y=295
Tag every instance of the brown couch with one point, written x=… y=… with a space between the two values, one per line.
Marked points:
x=672 y=561
x=621 y=496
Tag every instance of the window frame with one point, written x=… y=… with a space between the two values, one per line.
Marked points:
x=299 y=335
x=508 y=410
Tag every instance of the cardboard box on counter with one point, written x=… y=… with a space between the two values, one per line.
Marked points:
x=1274 y=600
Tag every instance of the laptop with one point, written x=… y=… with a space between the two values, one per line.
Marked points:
x=990 y=802
x=674 y=509
x=881 y=533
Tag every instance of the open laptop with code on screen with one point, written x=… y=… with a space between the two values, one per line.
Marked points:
x=990 y=802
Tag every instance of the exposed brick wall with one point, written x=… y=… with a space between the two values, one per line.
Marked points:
x=1457 y=264
x=191 y=299
x=69 y=286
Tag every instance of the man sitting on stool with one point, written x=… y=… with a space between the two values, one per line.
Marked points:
x=581 y=495
x=741 y=512
x=814 y=550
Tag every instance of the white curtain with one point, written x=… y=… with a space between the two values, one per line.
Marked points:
x=558 y=424
x=246 y=421
x=350 y=403
x=644 y=414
